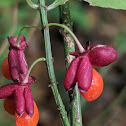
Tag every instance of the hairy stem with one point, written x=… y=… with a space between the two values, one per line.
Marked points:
x=49 y=61
x=75 y=114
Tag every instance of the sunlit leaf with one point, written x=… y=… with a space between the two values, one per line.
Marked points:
x=115 y=4
x=56 y=3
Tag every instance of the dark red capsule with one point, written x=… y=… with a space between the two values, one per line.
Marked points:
x=70 y=76
x=19 y=100
x=17 y=61
x=84 y=74
x=102 y=55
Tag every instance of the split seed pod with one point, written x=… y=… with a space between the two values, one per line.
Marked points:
x=17 y=61
x=70 y=76
x=80 y=70
x=84 y=74
x=20 y=90
x=102 y=55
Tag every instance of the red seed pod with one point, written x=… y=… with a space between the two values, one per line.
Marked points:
x=19 y=100
x=7 y=90
x=17 y=61
x=14 y=65
x=22 y=44
x=19 y=89
x=22 y=96
x=84 y=74
x=70 y=76
x=102 y=55
x=29 y=105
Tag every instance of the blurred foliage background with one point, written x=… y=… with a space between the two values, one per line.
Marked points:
x=99 y=25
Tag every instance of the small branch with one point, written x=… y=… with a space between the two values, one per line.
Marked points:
x=32 y=5
x=80 y=47
x=49 y=62
x=75 y=114
x=26 y=26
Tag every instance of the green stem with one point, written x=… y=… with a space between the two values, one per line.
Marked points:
x=26 y=26
x=80 y=47
x=76 y=116
x=49 y=61
x=30 y=68
x=75 y=113
x=32 y=5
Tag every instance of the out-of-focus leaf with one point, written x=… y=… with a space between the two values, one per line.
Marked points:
x=115 y=4
x=79 y=16
x=6 y=3
x=120 y=44
x=56 y=3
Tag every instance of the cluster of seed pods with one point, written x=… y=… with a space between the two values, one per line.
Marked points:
x=81 y=70
x=19 y=89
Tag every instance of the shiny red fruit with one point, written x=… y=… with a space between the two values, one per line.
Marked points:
x=96 y=87
x=5 y=69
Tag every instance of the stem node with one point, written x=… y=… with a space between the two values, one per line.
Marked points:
x=52 y=83
x=45 y=7
x=59 y=108
x=77 y=120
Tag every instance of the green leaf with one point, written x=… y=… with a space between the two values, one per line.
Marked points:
x=115 y=4
x=56 y=3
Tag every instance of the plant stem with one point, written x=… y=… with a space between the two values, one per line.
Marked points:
x=26 y=26
x=76 y=118
x=49 y=61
